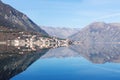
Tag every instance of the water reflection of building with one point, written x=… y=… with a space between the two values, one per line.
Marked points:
x=33 y=41
x=27 y=39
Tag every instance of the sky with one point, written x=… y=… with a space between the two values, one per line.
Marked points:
x=68 y=13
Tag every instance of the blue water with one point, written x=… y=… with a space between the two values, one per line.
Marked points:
x=72 y=68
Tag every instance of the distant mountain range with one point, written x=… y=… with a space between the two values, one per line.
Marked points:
x=60 y=32
x=95 y=32
x=98 y=32
x=13 y=19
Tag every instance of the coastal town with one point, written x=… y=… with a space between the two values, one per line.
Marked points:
x=42 y=42
x=32 y=42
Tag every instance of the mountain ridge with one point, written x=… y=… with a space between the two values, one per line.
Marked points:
x=98 y=32
x=14 y=19
x=61 y=32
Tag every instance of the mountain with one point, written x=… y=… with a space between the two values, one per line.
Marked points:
x=98 y=32
x=60 y=32
x=13 y=19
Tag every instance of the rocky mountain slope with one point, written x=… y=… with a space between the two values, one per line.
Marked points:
x=98 y=32
x=60 y=32
x=13 y=19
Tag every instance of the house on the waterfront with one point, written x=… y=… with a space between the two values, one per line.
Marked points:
x=33 y=41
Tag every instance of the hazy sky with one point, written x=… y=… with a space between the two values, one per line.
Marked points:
x=68 y=13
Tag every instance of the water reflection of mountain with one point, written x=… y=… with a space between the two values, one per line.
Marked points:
x=14 y=60
x=99 y=53
x=96 y=53
x=61 y=52
x=12 y=64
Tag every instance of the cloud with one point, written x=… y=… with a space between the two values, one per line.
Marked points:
x=108 y=16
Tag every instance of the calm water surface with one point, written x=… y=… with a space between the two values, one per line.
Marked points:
x=83 y=62
x=69 y=69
